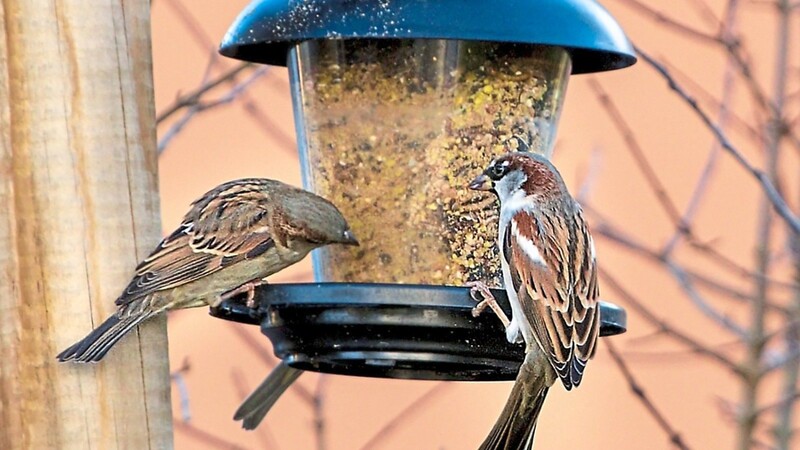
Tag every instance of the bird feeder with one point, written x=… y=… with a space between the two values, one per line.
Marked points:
x=398 y=103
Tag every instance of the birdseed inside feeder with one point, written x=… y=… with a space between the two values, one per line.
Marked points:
x=394 y=127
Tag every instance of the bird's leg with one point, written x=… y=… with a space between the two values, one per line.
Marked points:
x=249 y=288
x=486 y=299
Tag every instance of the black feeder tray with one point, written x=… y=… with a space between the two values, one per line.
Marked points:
x=388 y=330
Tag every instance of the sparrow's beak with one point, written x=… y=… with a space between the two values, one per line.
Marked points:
x=349 y=238
x=481 y=183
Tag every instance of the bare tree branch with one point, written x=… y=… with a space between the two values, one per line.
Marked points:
x=665 y=327
x=706 y=13
x=319 y=411
x=732 y=45
x=605 y=230
x=727 y=30
x=749 y=412
x=410 y=411
x=193 y=98
x=195 y=28
x=663 y=19
x=769 y=189
x=200 y=107
x=177 y=377
x=674 y=437
x=700 y=302
x=287 y=142
x=636 y=151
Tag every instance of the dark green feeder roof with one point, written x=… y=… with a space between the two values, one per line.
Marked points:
x=265 y=29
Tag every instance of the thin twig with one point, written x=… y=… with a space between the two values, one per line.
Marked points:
x=665 y=327
x=728 y=410
x=733 y=46
x=700 y=302
x=410 y=411
x=194 y=97
x=286 y=141
x=319 y=411
x=727 y=29
x=638 y=154
x=682 y=227
x=199 y=107
x=607 y=231
x=774 y=362
x=748 y=416
x=669 y=356
x=639 y=392
x=190 y=22
x=704 y=96
x=177 y=377
x=674 y=24
x=254 y=111
x=768 y=187
x=783 y=430
x=706 y=13
x=788 y=400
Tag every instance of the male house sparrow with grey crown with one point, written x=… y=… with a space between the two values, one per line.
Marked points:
x=550 y=276
x=234 y=236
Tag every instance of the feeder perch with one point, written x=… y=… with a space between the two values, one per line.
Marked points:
x=398 y=104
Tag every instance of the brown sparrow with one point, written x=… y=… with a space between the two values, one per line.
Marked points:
x=234 y=236
x=550 y=276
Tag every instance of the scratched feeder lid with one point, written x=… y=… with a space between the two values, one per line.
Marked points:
x=417 y=332
x=398 y=104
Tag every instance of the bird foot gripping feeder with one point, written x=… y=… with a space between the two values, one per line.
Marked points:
x=398 y=104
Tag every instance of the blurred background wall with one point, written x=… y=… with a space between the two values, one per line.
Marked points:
x=217 y=362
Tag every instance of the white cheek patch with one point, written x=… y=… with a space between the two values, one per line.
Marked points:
x=591 y=249
x=528 y=248
x=508 y=187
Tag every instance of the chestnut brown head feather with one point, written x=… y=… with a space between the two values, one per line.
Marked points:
x=532 y=173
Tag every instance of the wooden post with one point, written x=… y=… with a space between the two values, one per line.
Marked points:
x=78 y=209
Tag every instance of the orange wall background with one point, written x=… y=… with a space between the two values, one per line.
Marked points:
x=255 y=137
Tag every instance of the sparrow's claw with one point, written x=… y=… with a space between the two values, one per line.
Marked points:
x=481 y=294
x=249 y=288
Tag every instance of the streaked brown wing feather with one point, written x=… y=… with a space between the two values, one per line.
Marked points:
x=559 y=297
x=228 y=225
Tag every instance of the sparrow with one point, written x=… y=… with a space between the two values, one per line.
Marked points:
x=550 y=275
x=232 y=238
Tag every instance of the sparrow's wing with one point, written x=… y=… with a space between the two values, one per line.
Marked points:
x=228 y=225
x=553 y=271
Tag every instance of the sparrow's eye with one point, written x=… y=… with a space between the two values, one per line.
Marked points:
x=496 y=171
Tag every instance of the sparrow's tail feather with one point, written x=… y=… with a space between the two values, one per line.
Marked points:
x=256 y=406
x=516 y=425
x=96 y=344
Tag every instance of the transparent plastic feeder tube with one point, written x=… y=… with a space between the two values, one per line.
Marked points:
x=392 y=131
